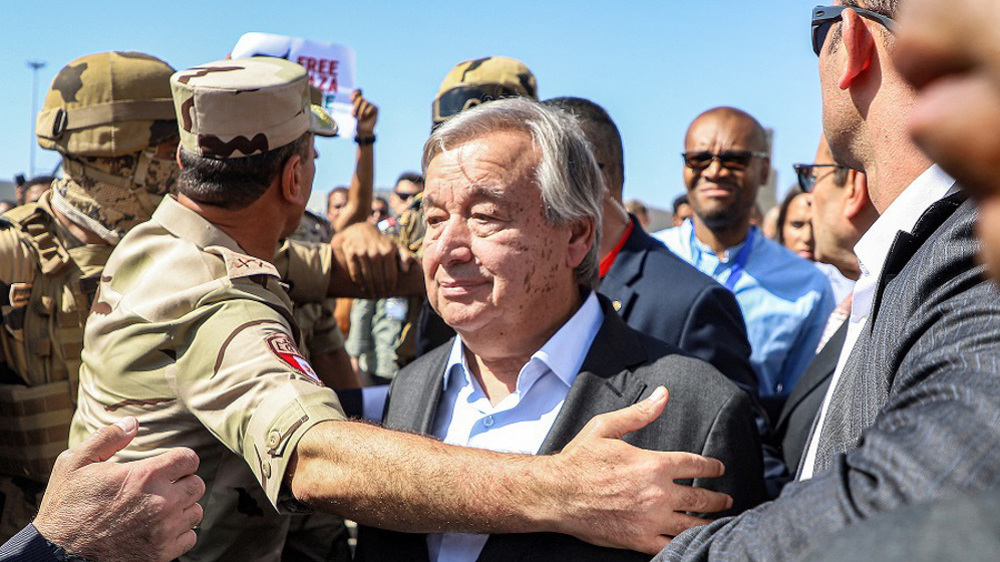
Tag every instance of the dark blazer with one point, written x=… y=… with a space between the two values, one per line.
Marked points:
x=661 y=295
x=919 y=414
x=28 y=546
x=791 y=432
x=706 y=414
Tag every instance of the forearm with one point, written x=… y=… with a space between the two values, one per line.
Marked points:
x=406 y=482
x=359 y=196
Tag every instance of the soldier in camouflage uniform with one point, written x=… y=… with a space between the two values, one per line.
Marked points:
x=111 y=117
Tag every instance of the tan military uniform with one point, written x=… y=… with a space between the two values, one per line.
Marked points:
x=195 y=339
x=47 y=278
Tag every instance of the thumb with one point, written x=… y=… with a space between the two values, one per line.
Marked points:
x=619 y=423
x=107 y=441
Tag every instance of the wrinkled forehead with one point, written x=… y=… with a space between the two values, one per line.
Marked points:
x=495 y=162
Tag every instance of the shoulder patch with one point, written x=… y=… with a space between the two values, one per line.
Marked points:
x=241 y=265
x=286 y=350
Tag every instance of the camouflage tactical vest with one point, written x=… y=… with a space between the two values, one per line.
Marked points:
x=42 y=337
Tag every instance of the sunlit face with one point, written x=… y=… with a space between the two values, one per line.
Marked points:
x=827 y=207
x=402 y=195
x=797 y=231
x=721 y=197
x=684 y=212
x=338 y=199
x=493 y=265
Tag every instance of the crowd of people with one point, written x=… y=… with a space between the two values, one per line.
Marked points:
x=497 y=361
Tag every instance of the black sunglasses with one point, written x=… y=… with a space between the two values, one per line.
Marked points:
x=729 y=159
x=823 y=18
x=807 y=180
x=403 y=196
x=464 y=96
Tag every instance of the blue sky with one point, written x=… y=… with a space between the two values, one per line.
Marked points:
x=654 y=65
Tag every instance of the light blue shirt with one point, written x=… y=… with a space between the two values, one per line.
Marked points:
x=785 y=300
x=520 y=422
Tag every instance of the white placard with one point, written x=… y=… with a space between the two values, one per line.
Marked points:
x=330 y=67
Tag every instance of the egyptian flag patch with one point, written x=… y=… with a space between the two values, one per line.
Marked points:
x=286 y=350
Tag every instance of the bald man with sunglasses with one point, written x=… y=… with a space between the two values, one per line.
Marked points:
x=785 y=299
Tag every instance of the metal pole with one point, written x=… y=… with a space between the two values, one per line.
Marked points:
x=35 y=65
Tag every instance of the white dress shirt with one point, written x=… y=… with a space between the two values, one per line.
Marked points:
x=520 y=422
x=872 y=250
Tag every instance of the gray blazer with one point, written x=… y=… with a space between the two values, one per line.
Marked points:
x=919 y=413
x=706 y=414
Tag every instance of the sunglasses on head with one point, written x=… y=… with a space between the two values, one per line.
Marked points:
x=805 y=173
x=729 y=159
x=823 y=18
x=464 y=96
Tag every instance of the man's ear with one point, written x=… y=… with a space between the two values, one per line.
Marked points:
x=856 y=192
x=292 y=180
x=177 y=155
x=858 y=45
x=581 y=238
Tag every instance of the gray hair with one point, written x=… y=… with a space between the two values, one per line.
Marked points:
x=567 y=174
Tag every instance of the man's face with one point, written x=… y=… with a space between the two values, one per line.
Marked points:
x=380 y=211
x=723 y=198
x=307 y=174
x=827 y=207
x=337 y=201
x=684 y=212
x=841 y=117
x=948 y=53
x=402 y=195
x=493 y=265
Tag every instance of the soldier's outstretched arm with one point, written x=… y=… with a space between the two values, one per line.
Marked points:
x=359 y=196
x=599 y=488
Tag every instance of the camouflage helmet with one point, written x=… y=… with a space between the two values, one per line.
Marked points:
x=108 y=104
x=473 y=82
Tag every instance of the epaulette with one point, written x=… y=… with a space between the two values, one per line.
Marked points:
x=241 y=265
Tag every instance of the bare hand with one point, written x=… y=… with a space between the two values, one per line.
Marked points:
x=628 y=498
x=365 y=112
x=372 y=259
x=143 y=510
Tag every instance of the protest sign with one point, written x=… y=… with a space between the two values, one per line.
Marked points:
x=330 y=67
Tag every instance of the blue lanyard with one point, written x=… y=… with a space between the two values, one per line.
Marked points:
x=739 y=262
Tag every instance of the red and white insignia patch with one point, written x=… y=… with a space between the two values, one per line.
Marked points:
x=286 y=350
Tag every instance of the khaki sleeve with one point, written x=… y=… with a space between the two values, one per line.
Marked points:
x=17 y=258
x=326 y=335
x=306 y=267
x=245 y=380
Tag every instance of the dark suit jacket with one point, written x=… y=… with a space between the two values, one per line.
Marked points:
x=925 y=378
x=663 y=296
x=795 y=422
x=706 y=414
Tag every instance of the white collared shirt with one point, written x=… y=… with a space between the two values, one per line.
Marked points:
x=520 y=422
x=872 y=250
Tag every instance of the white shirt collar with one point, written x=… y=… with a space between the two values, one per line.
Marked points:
x=563 y=353
x=902 y=215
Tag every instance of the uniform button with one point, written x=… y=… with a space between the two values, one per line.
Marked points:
x=273 y=439
x=488 y=421
x=778 y=387
x=266 y=469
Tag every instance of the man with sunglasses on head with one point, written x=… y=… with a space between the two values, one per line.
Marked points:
x=785 y=299
x=912 y=411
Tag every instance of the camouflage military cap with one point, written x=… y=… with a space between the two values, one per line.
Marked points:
x=240 y=107
x=474 y=82
x=108 y=104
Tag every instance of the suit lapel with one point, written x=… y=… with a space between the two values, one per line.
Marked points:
x=604 y=382
x=626 y=269
x=906 y=244
x=819 y=369
x=418 y=393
